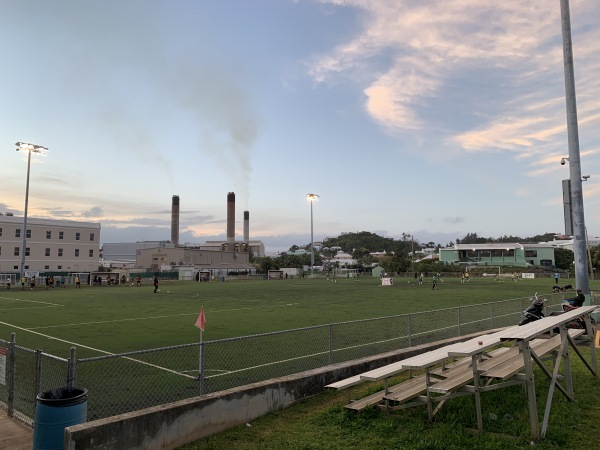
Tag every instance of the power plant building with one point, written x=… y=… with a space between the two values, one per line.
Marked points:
x=218 y=258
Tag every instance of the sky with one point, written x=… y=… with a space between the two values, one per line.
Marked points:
x=431 y=118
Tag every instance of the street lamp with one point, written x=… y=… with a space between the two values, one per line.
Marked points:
x=312 y=198
x=579 y=244
x=29 y=148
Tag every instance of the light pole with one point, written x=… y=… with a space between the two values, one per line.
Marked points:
x=29 y=148
x=312 y=198
x=579 y=244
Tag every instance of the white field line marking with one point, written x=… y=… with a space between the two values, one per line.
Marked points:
x=155 y=317
x=98 y=350
x=31 y=307
x=29 y=301
x=111 y=321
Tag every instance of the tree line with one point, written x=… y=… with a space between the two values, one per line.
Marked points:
x=397 y=257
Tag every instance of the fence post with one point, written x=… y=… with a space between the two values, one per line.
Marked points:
x=202 y=379
x=71 y=375
x=409 y=331
x=459 y=321
x=12 y=356
x=330 y=342
x=38 y=376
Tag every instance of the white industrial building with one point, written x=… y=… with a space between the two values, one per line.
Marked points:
x=51 y=245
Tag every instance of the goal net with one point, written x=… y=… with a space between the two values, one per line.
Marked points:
x=275 y=275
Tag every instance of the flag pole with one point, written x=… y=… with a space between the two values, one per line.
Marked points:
x=200 y=322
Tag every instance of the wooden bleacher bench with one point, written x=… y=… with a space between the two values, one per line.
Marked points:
x=515 y=364
x=407 y=390
x=414 y=386
x=345 y=383
x=411 y=391
x=502 y=366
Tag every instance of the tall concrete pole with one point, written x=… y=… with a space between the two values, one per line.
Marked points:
x=24 y=245
x=579 y=241
x=312 y=198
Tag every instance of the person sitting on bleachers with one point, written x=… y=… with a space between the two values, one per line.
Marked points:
x=578 y=300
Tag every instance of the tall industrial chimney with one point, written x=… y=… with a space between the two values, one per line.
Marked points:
x=230 y=221
x=175 y=221
x=246 y=226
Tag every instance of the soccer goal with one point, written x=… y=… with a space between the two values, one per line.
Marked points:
x=203 y=276
x=345 y=273
x=6 y=276
x=275 y=275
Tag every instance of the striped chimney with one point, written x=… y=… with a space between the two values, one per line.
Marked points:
x=230 y=221
x=246 y=226
x=175 y=221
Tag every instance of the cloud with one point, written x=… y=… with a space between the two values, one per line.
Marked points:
x=93 y=212
x=493 y=69
x=453 y=220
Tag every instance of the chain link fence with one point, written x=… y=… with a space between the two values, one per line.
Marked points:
x=26 y=373
x=130 y=381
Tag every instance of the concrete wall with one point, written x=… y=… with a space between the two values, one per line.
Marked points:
x=175 y=424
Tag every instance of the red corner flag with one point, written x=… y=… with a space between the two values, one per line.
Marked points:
x=201 y=321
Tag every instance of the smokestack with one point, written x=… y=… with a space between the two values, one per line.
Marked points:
x=230 y=221
x=246 y=226
x=175 y=221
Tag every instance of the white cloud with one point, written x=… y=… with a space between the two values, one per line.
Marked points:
x=410 y=55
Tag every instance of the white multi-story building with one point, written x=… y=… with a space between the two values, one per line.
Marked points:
x=51 y=246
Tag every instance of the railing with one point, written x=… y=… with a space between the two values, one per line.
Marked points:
x=130 y=381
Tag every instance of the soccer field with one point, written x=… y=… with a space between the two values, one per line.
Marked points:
x=103 y=321
x=115 y=319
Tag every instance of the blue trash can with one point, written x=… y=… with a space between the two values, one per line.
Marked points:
x=55 y=410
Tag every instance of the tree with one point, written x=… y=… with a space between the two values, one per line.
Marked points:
x=563 y=258
x=595 y=252
x=263 y=264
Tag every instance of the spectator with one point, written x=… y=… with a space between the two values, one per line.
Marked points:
x=578 y=300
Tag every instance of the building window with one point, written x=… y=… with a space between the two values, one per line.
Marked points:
x=77 y=236
x=0 y=231
x=76 y=252
x=61 y=234
x=15 y=267
x=60 y=251
x=46 y=267
x=16 y=251
x=59 y=267
x=27 y=251
x=91 y=253
x=28 y=234
x=92 y=237
x=47 y=252
x=18 y=232
x=48 y=234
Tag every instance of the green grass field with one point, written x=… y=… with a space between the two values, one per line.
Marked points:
x=322 y=423
x=102 y=320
